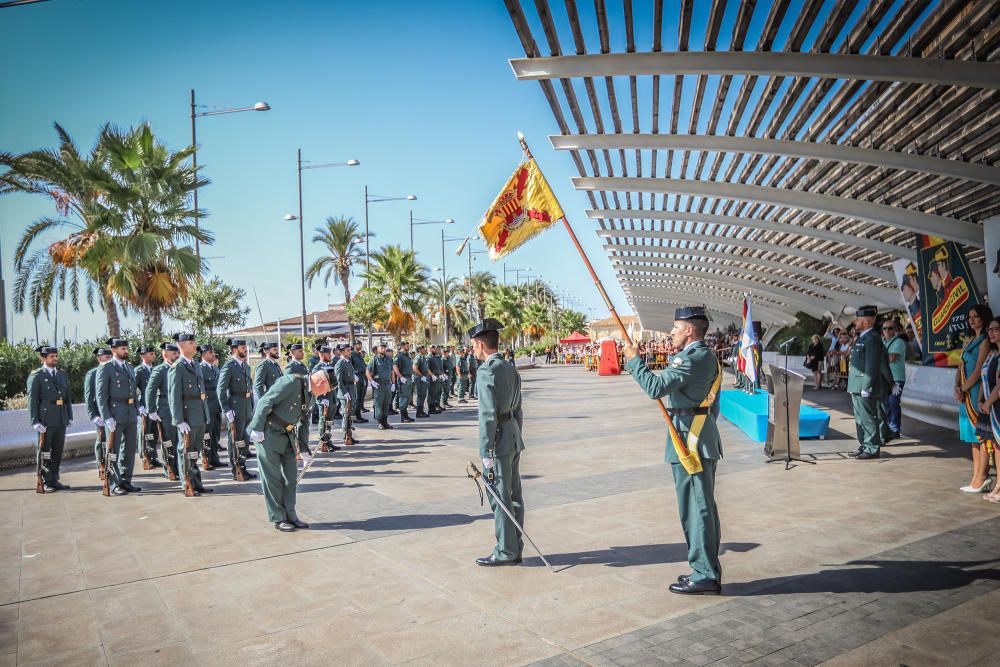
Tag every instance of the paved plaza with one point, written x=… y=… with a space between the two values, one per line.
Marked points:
x=856 y=563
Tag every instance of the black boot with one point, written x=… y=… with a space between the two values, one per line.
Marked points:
x=387 y=425
x=404 y=417
x=422 y=415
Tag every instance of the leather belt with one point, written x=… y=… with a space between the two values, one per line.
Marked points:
x=285 y=426
x=58 y=401
x=200 y=397
x=116 y=404
x=688 y=411
x=248 y=395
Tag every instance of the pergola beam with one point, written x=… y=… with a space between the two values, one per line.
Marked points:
x=893 y=216
x=968 y=171
x=938 y=72
x=675 y=298
x=638 y=284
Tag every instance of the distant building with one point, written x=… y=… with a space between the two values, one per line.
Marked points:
x=608 y=328
x=330 y=323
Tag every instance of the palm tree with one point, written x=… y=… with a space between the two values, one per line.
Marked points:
x=504 y=304
x=473 y=294
x=535 y=319
x=456 y=317
x=402 y=280
x=344 y=247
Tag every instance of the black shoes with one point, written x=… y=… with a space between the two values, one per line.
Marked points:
x=249 y=475
x=434 y=411
x=386 y=425
x=298 y=524
x=382 y=426
x=360 y=420
x=119 y=491
x=50 y=489
x=462 y=400
x=405 y=418
x=203 y=489
x=865 y=456
x=688 y=587
x=59 y=486
x=491 y=561
x=285 y=527
x=422 y=415
x=130 y=488
x=156 y=463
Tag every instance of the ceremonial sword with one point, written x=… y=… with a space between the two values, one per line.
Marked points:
x=473 y=472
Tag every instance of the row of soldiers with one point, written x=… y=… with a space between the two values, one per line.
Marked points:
x=178 y=405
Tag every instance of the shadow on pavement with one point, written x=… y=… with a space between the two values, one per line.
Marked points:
x=400 y=522
x=641 y=554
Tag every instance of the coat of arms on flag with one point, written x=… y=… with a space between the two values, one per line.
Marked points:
x=525 y=207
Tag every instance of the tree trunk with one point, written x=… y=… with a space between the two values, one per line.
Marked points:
x=345 y=277
x=111 y=313
x=152 y=319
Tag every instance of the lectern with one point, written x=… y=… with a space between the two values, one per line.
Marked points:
x=784 y=396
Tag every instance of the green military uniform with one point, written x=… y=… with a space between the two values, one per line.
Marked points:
x=148 y=436
x=117 y=397
x=296 y=367
x=448 y=364
x=213 y=432
x=275 y=417
x=93 y=412
x=422 y=381
x=50 y=409
x=358 y=363
x=188 y=405
x=327 y=414
x=235 y=390
x=436 y=367
x=159 y=411
x=404 y=384
x=463 y=377
x=473 y=368
x=500 y=446
x=686 y=382
x=342 y=378
x=264 y=377
x=380 y=368
x=868 y=383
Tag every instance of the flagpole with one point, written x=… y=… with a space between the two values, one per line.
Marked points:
x=604 y=295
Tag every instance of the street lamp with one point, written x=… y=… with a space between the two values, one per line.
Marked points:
x=302 y=242
x=418 y=221
x=473 y=306
x=375 y=199
x=444 y=282
x=516 y=273
x=195 y=114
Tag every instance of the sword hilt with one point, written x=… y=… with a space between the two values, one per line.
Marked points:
x=472 y=471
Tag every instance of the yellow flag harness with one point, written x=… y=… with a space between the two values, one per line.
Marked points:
x=687 y=452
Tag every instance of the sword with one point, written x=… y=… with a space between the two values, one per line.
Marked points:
x=305 y=466
x=473 y=472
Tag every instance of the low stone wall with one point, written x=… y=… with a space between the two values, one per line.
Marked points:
x=17 y=439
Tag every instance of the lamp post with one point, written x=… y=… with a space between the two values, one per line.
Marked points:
x=444 y=282
x=418 y=221
x=516 y=273
x=3 y=302
x=375 y=199
x=302 y=242
x=195 y=114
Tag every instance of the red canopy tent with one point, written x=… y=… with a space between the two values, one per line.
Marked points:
x=575 y=338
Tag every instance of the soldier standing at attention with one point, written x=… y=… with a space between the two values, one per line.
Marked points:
x=868 y=382
x=213 y=432
x=436 y=367
x=463 y=375
x=296 y=366
x=326 y=413
x=143 y=371
x=343 y=374
x=473 y=368
x=403 y=369
x=358 y=362
x=273 y=429
x=117 y=397
x=268 y=371
x=500 y=440
x=235 y=391
x=189 y=410
x=103 y=355
x=691 y=382
x=159 y=409
x=421 y=380
x=448 y=362
x=379 y=373
x=51 y=412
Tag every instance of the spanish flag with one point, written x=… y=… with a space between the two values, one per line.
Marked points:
x=524 y=207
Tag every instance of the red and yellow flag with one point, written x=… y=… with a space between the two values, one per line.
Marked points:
x=524 y=207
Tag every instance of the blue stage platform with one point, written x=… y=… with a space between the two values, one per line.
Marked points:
x=749 y=413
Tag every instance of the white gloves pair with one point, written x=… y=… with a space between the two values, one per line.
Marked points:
x=39 y=427
x=897 y=389
x=183 y=428
x=257 y=436
x=110 y=423
x=374 y=384
x=230 y=416
x=443 y=378
x=154 y=416
x=402 y=380
x=98 y=422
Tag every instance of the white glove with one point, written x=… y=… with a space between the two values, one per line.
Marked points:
x=356 y=378
x=230 y=416
x=183 y=428
x=325 y=403
x=143 y=411
x=866 y=394
x=392 y=387
x=110 y=423
x=897 y=389
x=443 y=378
x=402 y=380
x=487 y=463
x=39 y=427
x=256 y=436
x=97 y=421
x=69 y=423
x=423 y=378
x=374 y=384
x=155 y=417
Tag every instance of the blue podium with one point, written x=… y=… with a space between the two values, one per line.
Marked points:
x=749 y=413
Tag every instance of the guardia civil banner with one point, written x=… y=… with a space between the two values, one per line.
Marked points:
x=909 y=290
x=946 y=293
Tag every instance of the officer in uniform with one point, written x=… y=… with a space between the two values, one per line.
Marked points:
x=358 y=361
x=421 y=378
x=213 y=432
x=189 y=410
x=463 y=375
x=436 y=367
x=868 y=382
x=327 y=414
x=159 y=409
x=691 y=382
x=50 y=410
x=343 y=374
x=379 y=373
x=273 y=429
x=148 y=436
x=448 y=360
x=296 y=366
x=268 y=371
x=403 y=370
x=500 y=440
x=103 y=355
x=473 y=368
x=235 y=390
x=117 y=401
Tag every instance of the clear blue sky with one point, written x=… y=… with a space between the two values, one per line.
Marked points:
x=420 y=93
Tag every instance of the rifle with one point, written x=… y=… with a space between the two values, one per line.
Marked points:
x=206 y=444
x=325 y=437
x=106 y=488
x=101 y=459
x=147 y=460
x=168 y=455
x=237 y=460
x=39 y=484
x=349 y=430
x=189 y=491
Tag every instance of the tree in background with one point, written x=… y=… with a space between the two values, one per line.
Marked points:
x=211 y=306
x=504 y=304
x=344 y=246
x=535 y=320
x=458 y=316
x=472 y=295
x=401 y=280
x=367 y=308
x=568 y=321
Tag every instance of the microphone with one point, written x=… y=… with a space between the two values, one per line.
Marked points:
x=786 y=342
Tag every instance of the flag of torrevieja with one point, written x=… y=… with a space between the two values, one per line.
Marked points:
x=525 y=207
x=748 y=343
